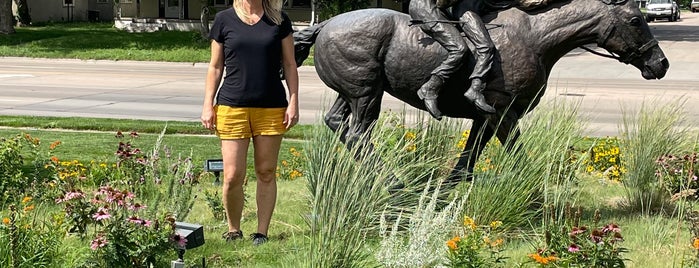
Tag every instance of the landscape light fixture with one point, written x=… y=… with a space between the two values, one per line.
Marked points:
x=194 y=235
x=214 y=166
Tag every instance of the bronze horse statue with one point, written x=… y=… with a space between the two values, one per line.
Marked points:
x=364 y=53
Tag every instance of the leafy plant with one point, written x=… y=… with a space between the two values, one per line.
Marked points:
x=567 y=243
x=292 y=168
x=678 y=174
x=605 y=158
x=477 y=245
x=25 y=240
x=215 y=203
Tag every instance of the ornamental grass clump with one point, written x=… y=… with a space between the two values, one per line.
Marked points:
x=538 y=163
x=648 y=134
x=350 y=189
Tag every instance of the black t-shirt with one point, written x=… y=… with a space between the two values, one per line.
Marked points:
x=253 y=55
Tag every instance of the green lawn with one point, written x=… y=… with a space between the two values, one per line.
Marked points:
x=102 y=41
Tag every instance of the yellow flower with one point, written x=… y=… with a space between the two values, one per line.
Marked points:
x=590 y=168
x=285 y=163
x=411 y=147
x=294 y=152
x=6 y=221
x=26 y=199
x=695 y=243
x=495 y=224
x=295 y=174
x=409 y=135
x=470 y=223
x=103 y=165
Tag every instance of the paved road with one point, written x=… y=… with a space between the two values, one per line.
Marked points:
x=173 y=91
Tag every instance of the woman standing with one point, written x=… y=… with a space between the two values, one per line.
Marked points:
x=251 y=41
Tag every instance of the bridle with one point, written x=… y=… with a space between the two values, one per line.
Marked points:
x=635 y=54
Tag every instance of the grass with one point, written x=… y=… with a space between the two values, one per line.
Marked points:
x=125 y=125
x=101 y=41
x=657 y=240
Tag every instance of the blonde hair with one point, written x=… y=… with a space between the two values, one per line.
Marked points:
x=273 y=10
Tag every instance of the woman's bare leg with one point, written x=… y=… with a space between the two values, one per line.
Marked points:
x=266 y=156
x=234 y=154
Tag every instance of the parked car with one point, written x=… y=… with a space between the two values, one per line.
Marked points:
x=694 y=6
x=662 y=9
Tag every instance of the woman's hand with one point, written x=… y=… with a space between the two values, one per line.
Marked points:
x=291 y=117
x=208 y=117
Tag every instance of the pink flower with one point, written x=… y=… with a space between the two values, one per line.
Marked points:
x=573 y=248
x=136 y=220
x=576 y=231
x=98 y=242
x=611 y=228
x=179 y=240
x=136 y=207
x=102 y=214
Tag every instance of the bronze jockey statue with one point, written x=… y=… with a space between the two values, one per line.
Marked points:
x=434 y=16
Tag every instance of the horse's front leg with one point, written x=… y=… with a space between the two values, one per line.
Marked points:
x=365 y=112
x=478 y=137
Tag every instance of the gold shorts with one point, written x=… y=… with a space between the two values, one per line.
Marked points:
x=245 y=122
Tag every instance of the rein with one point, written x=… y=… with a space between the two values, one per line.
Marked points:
x=631 y=56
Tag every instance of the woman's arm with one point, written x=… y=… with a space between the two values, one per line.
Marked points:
x=213 y=79
x=292 y=81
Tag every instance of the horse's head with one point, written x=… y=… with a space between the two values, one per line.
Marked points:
x=623 y=31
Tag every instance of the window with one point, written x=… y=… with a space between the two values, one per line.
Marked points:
x=218 y=3
x=301 y=3
x=68 y=3
x=103 y=1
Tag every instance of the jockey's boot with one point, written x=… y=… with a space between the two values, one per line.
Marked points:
x=475 y=95
x=429 y=93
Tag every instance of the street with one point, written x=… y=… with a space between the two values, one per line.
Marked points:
x=174 y=91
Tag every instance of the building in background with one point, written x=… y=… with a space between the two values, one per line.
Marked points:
x=160 y=11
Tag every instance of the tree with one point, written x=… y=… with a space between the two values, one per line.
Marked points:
x=6 y=24
x=329 y=8
x=23 y=13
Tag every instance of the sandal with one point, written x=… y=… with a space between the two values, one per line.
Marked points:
x=258 y=239
x=230 y=236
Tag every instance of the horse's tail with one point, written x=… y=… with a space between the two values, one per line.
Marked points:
x=304 y=39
